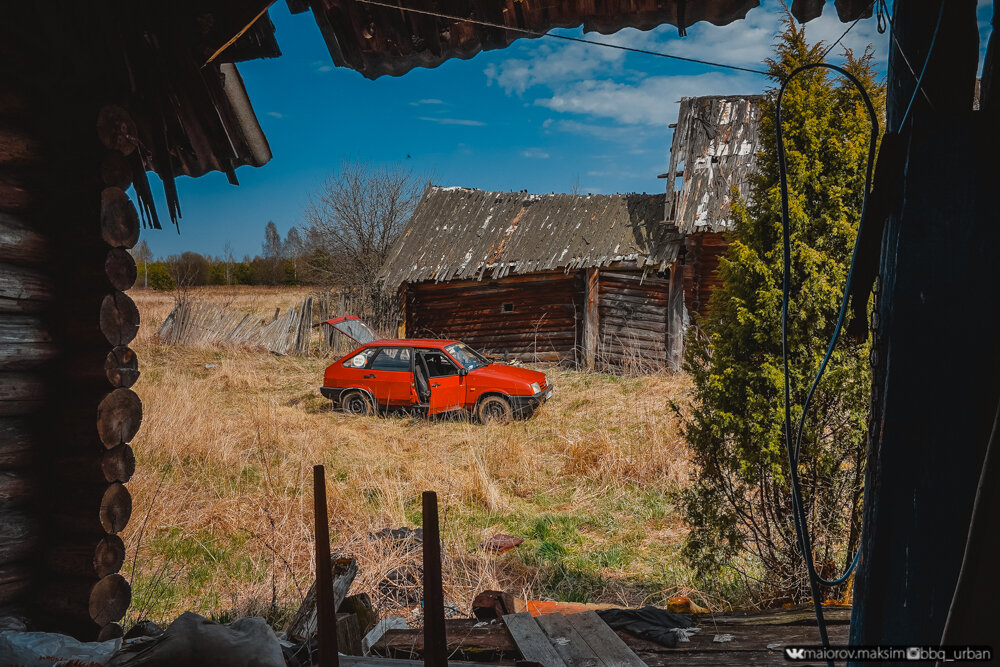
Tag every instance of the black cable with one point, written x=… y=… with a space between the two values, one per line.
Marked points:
x=844 y=34
x=536 y=33
x=798 y=512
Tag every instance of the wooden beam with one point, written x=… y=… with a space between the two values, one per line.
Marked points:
x=675 y=318
x=435 y=640
x=326 y=610
x=591 y=317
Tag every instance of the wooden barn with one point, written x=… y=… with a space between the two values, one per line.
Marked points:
x=568 y=278
x=602 y=281
x=713 y=150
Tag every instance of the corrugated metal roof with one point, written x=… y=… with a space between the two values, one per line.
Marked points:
x=460 y=233
x=715 y=145
x=377 y=40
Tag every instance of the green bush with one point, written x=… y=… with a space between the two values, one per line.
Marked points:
x=739 y=504
x=159 y=277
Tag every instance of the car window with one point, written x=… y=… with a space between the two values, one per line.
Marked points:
x=466 y=356
x=362 y=359
x=438 y=364
x=392 y=359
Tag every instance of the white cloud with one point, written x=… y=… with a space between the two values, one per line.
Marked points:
x=535 y=153
x=652 y=101
x=454 y=121
x=427 y=101
x=275 y=114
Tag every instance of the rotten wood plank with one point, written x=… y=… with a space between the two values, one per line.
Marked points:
x=603 y=641
x=343 y=570
x=489 y=643
x=532 y=642
x=567 y=642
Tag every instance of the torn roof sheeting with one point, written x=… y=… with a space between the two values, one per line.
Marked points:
x=379 y=40
x=715 y=145
x=460 y=233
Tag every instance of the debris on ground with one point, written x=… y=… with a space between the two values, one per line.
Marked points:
x=303 y=625
x=402 y=586
x=193 y=640
x=375 y=634
x=649 y=623
x=42 y=649
x=143 y=629
x=491 y=605
x=500 y=543
x=682 y=604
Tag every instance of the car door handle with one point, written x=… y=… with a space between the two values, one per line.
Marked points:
x=370 y=376
x=435 y=385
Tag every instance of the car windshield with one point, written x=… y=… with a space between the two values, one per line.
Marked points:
x=465 y=355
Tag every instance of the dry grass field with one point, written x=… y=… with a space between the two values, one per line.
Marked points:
x=222 y=517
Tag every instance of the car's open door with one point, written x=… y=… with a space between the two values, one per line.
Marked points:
x=353 y=328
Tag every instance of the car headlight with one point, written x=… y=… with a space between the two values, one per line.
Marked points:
x=535 y=388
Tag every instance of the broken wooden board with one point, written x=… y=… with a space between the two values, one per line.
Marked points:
x=567 y=642
x=603 y=641
x=532 y=642
x=465 y=641
x=303 y=626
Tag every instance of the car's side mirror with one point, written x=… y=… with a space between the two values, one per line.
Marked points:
x=462 y=372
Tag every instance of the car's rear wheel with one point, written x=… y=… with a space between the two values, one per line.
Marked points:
x=494 y=409
x=357 y=403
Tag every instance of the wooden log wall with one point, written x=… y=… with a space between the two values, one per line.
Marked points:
x=632 y=316
x=703 y=250
x=536 y=317
x=66 y=410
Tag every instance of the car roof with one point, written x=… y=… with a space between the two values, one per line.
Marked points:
x=411 y=342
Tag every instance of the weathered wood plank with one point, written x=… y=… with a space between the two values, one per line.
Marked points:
x=371 y=661
x=567 y=642
x=603 y=640
x=303 y=625
x=531 y=641
x=463 y=640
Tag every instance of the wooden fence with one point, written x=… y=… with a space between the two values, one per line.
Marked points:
x=299 y=331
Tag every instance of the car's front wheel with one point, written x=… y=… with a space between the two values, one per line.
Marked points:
x=357 y=403
x=494 y=409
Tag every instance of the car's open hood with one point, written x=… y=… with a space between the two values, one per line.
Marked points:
x=353 y=328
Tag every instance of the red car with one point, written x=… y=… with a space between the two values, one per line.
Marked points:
x=428 y=375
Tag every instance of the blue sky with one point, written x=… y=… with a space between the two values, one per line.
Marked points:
x=543 y=115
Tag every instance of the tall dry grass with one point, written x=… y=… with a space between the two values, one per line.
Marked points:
x=222 y=517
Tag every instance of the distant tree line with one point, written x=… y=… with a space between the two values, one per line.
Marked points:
x=280 y=263
x=351 y=222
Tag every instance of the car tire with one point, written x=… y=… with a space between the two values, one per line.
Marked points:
x=494 y=409
x=357 y=403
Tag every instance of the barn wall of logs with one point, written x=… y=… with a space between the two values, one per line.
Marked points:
x=703 y=252
x=632 y=320
x=66 y=410
x=607 y=319
x=536 y=317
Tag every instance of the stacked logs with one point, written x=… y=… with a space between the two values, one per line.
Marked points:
x=67 y=411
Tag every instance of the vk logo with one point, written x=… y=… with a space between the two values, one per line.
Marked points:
x=795 y=653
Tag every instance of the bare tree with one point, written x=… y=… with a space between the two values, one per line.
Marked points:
x=188 y=270
x=143 y=255
x=229 y=259
x=353 y=220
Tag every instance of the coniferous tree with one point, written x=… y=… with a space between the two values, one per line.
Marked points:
x=739 y=504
